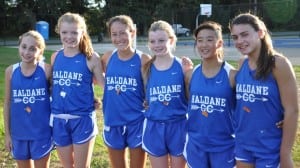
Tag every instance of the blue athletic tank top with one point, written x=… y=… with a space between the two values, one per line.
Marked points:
x=165 y=93
x=258 y=109
x=29 y=104
x=210 y=110
x=72 y=90
x=123 y=92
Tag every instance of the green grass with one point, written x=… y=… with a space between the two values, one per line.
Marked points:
x=100 y=157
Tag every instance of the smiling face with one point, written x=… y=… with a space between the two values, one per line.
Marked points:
x=29 y=50
x=70 y=34
x=207 y=43
x=160 y=43
x=246 y=39
x=121 y=36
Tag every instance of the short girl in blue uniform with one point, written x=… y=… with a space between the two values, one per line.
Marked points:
x=210 y=141
x=27 y=104
x=166 y=103
x=75 y=68
x=123 y=95
x=266 y=92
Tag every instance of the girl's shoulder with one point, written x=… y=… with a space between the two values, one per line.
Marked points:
x=283 y=66
x=106 y=56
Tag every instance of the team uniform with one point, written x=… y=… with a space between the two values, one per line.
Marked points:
x=30 y=114
x=258 y=110
x=210 y=141
x=165 y=123
x=73 y=113
x=123 y=102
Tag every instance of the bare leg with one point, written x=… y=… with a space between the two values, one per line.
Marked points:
x=137 y=158
x=117 y=158
x=25 y=163
x=159 y=162
x=65 y=155
x=43 y=162
x=177 y=162
x=240 y=164
x=83 y=154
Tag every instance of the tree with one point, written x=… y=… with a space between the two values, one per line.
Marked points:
x=281 y=11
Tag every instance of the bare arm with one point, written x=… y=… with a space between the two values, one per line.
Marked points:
x=96 y=67
x=232 y=74
x=53 y=56
x=145 y=59
x=6 y=110
x=104 y=60
x=286 y=81
x=187 y=81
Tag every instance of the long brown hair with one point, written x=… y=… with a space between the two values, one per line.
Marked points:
x=85 y=44
x=266 y=60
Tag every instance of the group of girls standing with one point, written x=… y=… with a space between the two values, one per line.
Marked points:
x=210 y=115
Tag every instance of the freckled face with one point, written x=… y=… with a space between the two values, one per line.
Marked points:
x=70 y=34
x=28 y=50
x=246 y=39
x=159 y=43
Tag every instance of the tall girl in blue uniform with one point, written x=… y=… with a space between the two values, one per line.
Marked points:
x=75 y=68
x=166 y=103
x=123 y=95
x=27 y=104
x=210 y=141
x=266 y=93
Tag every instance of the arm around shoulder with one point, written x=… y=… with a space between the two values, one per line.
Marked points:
x=145 y=58
x=53 y=56
x=95 y=66
x=187 y=81
x=104 y=59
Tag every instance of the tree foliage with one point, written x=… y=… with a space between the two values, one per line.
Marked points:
x=17 y=16
x=281 y=11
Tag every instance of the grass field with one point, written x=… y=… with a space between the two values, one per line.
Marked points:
x=100 y=157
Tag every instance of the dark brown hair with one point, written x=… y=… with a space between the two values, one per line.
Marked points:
x=214 y=26
x=266 y=61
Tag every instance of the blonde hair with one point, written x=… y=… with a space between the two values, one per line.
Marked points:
x=39 y=40
x=164 y=26
x=155 y=26
x=85 y=44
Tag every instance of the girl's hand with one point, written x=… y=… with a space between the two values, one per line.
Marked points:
x=187 y=64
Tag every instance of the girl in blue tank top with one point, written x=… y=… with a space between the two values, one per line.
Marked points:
x=27 y=104
x=123 y=95
x=166 y=103
x=266 y=92
x=210 y=141
x=75 y=68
